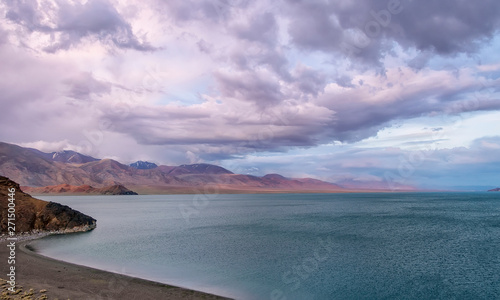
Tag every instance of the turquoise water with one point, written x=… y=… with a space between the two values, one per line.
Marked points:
x=300 y=246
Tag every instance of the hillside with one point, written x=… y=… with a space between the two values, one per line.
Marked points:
x=34 y=214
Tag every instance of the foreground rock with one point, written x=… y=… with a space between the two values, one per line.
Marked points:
x=34 y=215
x=116 y=189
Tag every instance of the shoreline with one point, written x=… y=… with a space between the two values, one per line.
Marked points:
x=41 y=275
x=245 y=192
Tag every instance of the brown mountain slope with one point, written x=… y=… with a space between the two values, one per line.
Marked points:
x=34 y=214
x=31 y=169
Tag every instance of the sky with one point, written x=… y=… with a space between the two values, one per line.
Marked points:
x=388 y=91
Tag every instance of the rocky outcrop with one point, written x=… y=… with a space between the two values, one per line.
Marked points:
x=116 y=189
x=495 y=190
x=34 y=215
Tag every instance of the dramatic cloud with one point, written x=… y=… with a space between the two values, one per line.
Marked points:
x=69 y=23
x=404 y=93
x=365 y=29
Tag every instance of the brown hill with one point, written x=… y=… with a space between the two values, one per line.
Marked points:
x=35 y=169
x=79 y=190
x=36 y=215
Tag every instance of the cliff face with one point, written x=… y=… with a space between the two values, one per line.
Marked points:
x=36 y=215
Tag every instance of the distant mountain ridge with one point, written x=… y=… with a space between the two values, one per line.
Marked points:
x=37 y=169
x=143 y=165
x=65 y=156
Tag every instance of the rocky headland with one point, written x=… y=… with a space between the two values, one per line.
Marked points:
x=116 y=189
x=33 y=215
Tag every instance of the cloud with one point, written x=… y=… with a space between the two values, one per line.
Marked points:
x=220 y=11
x=426 y=167
x=364 y=30
x=56 y=146
x=4 y=36
x=447 y=27
x=404 y=94
x=227 y=128
x=69 y=24
x=83 y=85
x=309 y=81
x=46 y=99
x=261 y=88
x=258 y=28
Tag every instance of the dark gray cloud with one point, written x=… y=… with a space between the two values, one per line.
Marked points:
x=364 y=29
x=215 y=11
x=4 y=36
x=220 y=130
x=448 y=27
x=260 y=28
x=259 y=88
x=74 y=22
x=309 y=81
x=83 y=85
x=363 y=110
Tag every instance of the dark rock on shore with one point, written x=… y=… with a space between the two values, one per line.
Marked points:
x=34 y=215
x=117 y=189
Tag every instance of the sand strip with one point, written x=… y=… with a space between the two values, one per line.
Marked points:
x=40 y=277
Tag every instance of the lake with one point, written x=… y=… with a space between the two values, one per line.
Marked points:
x=295 y=246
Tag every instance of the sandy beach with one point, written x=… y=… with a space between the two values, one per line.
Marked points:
x=39 y=277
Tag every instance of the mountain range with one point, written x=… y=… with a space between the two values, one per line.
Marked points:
x=33 y=168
